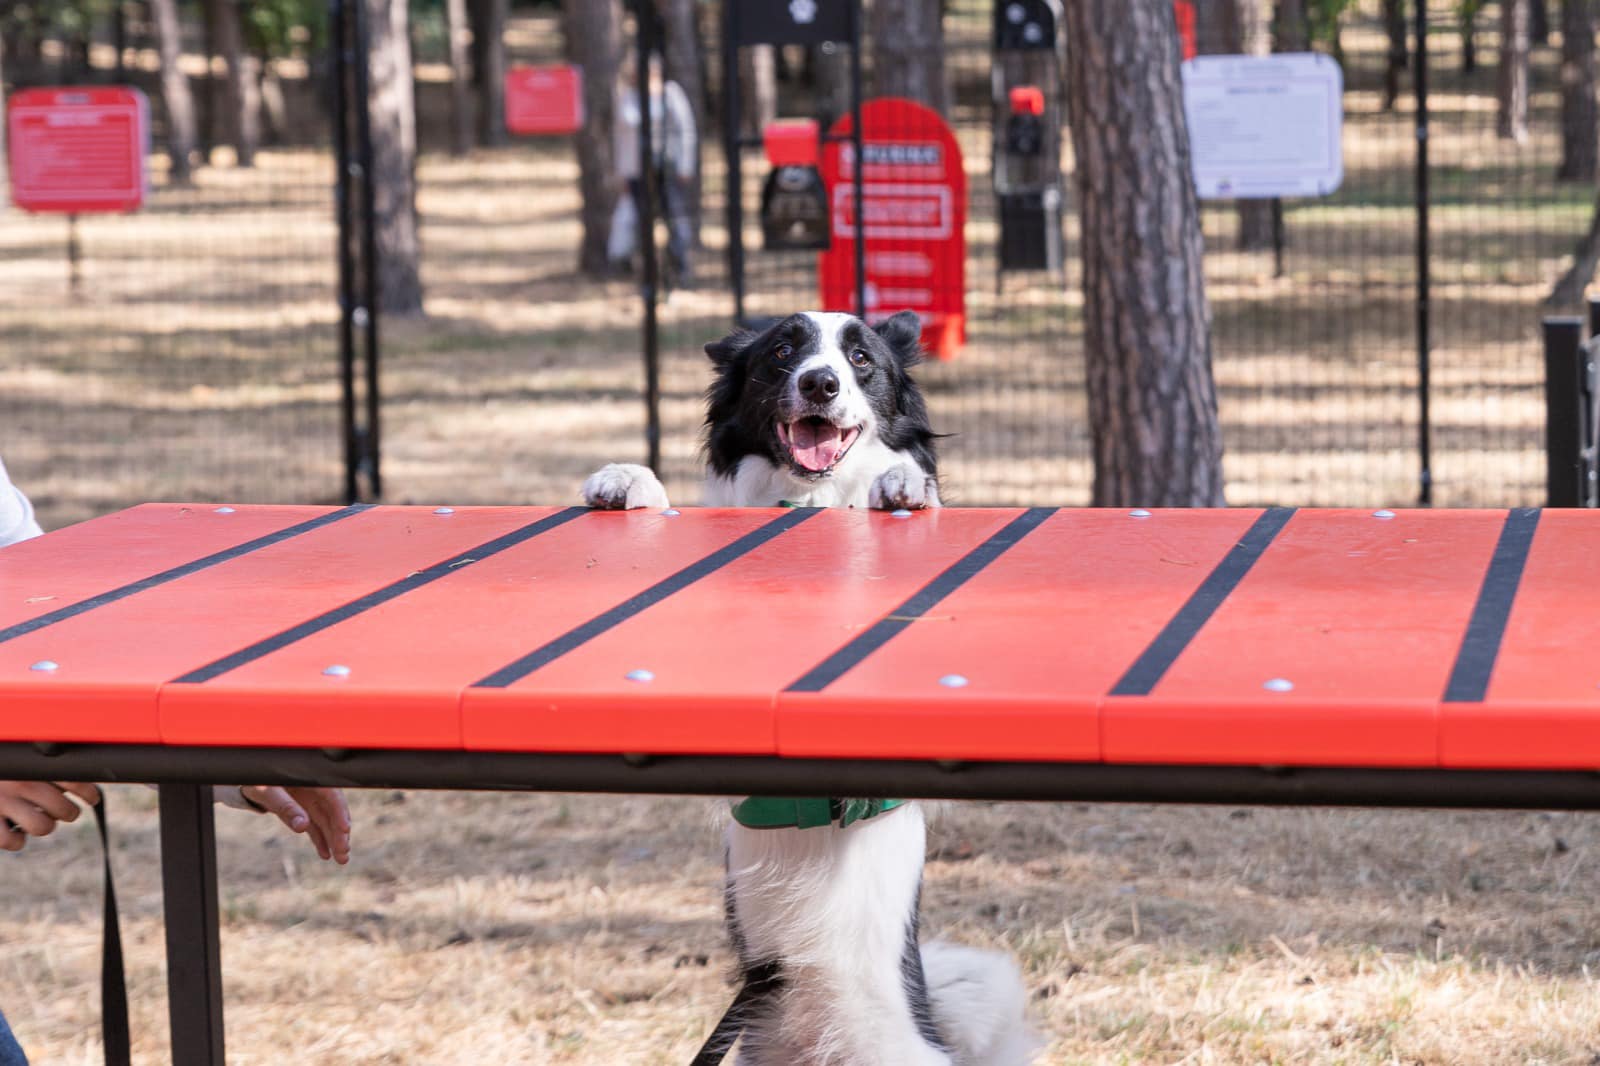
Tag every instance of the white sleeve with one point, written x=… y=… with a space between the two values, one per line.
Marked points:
x=16 y=513
x=228 y=796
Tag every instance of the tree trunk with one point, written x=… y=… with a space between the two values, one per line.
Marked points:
x=175 y=92
x=1539 y=22
x=1291 y=28
x=1513 y=86
x=594 y=42
x=459 y=35
x=831 y=66
x=274 y=108
x=683 y=65
x=1568 y=292
x=1467 y=22
x=1238 y=27
x=1152 y=402
x=392 y=102
x=758 y=78
x=1580 y=119
x=1399 y=56
x=5 y=186
x=241 y=97
x=908 y=51
x=212 y=112
x=489 y=68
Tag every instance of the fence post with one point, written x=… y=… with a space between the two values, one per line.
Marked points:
x=1564 y=379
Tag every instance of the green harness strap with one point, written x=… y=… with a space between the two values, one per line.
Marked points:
x=786 y=812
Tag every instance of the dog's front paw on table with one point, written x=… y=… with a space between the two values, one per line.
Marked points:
x=623 y=487
x=903 y=488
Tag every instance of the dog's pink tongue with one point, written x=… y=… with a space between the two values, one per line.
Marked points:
x=816 y=445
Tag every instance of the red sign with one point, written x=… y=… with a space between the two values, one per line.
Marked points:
x=78 y=151
x=1184 y=11
x=543 y=100
x=914 y=198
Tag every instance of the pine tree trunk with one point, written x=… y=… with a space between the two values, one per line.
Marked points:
x=489 y=67
x=1291 y=29
x=1238 y=27
x=459 y=35
x=274 y=108
x=1467 y=22
x=175 y=92
x=241 y=97
x=1568 y=292
x=758 y=80
x=394 y=157
x=5 y=186
x=1152 y=402
x=684 y=66
x=1399 y=56
x=1513 y=84
x=594 y=42
x=1580 y=118
x=908 y=51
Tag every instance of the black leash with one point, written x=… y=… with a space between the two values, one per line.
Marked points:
x=113 y=980
x=759 y=983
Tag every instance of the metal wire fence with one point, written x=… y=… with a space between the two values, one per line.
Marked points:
x=198 y=357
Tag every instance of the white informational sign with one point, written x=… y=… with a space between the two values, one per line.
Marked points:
x=1264 y=126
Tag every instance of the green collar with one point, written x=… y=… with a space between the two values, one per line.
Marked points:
x=784 y=812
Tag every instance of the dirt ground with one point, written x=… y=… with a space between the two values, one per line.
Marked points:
x=196 y=362
x=476 y=929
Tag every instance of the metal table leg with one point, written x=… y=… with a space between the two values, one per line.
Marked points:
x=194 y=948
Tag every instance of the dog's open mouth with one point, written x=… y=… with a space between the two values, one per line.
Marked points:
x=815 y=444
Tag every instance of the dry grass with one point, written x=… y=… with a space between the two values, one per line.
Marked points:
x=556 y=929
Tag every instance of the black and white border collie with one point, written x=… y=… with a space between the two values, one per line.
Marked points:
x=820 y=411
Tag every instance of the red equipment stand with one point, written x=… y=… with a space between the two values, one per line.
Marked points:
x=1412 y=658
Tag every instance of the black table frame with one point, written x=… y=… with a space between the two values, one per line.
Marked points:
x=188 y=836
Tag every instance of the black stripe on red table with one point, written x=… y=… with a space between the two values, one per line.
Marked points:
x=884 y=630
x=575 y=638
x=1480 y=646
x=61 y=614
x=1152 y=665
x=380 y=596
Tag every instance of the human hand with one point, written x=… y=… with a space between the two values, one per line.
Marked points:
x=321 y=813
x=32 y=808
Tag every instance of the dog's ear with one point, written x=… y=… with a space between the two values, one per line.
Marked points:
x=903 y=333
x=729 y=348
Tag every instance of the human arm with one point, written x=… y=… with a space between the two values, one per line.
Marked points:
x=320 y=813
x=35 y=808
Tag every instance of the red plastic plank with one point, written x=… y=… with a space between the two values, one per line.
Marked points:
x=410 y=658
x=1542 y=709
x=1038 y=636
x=113 y=660
x=70 y=565
x=719 y=651
x=1363 y=616
x=41 y=576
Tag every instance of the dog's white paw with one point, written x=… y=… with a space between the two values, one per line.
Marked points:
x=623 y=487
x=905 y=487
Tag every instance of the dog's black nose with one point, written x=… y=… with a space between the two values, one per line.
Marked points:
x=820 y=385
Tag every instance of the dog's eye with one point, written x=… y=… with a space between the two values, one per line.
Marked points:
x=783 y=351
x=859 y=357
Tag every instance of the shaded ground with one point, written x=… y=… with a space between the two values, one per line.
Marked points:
x=552 y=929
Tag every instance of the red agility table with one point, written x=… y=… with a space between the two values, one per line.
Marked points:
x=1412 y=658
